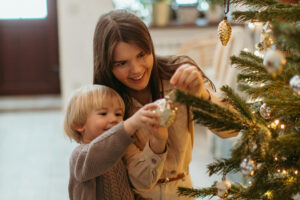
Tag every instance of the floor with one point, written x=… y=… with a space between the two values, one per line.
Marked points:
x=34 y=152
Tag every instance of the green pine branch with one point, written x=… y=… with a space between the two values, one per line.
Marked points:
x=276 y=152
x=255 y=3
x=285 y=108
x=251 y=56
x=248 y=63
x=212 y=115
x=287 y=146
x=215 y=123
x=286 y=12
x=235 y=192
x=244 y=16
x=191 y=192
x=223 y=166
x=253 y=78
x=274 y=89
x=287 y=36
x=238 y=103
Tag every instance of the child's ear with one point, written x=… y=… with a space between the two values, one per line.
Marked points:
x=78 y=128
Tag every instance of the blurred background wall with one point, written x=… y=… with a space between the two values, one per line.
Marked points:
x=76 y=22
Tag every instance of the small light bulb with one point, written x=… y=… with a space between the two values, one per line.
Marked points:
x=257 y=53
x=251 y=26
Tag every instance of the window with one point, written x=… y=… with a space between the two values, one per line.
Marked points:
x=186 y=2
x=21 y=9
x=137 y=6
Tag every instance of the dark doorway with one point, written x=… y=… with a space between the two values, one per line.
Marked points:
x=29 y=55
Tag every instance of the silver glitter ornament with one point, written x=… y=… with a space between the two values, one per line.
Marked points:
x=247 y=167
x=265 y=111
x=274 y=61
x=223 y=188
x=167 y=111
x=295 y=84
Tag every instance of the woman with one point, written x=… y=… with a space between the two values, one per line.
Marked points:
x=125 y=60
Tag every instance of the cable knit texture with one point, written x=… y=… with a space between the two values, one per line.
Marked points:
x=115 y=181
x=97 y=171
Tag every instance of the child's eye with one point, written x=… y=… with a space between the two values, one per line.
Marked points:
x=119 y=114
x=102 y=113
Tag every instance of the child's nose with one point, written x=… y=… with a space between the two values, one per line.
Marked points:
x=113 y=119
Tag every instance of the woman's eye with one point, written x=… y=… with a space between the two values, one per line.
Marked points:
x=142 y=54
x=118 y=64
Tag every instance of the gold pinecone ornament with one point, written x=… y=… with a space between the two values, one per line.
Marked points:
x=224 y=31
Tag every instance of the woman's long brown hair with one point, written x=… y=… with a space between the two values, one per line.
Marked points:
x=123 y=26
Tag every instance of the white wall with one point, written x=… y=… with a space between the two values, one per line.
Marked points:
x=76 y=23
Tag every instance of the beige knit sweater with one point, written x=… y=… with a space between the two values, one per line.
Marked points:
x=96 y=169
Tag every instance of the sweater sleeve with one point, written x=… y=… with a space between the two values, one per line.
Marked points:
x=144 y=167
x=91 y=160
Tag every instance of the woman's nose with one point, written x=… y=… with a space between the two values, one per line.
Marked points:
x=136 y=66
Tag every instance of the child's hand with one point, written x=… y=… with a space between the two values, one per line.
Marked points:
x=158 y=140
x=143 y=118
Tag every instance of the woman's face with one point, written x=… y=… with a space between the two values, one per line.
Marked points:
x=132 y=66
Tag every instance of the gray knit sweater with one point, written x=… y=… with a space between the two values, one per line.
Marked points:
x=96 y=169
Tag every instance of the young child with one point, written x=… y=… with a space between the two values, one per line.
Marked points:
x=94 y=119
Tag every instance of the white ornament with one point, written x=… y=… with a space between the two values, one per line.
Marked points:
x=295 y=84
x=167 y=112
x=274 y=61
x=223 y=187
x=247 y=167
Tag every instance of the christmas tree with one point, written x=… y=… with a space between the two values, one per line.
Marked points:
x=267 y=117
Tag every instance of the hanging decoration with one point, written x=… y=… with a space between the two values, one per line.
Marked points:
x=295 y=84
x=223 y=187
x=266 y=37
x=265 y=111
x=247 y=167
x=274 y=61
x=224 y=28
x=167 y=111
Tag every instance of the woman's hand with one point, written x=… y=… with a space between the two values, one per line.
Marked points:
x=189 y=78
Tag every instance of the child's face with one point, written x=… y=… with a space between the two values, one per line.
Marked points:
x=100 y=120
x=132 y=66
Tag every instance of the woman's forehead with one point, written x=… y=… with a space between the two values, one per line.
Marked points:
x=124 y=50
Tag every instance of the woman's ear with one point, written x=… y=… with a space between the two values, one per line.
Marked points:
x=78 y=128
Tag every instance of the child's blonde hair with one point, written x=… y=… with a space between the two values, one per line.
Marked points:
x=82 y=102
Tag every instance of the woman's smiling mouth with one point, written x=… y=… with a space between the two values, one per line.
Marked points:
x=137 y=77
